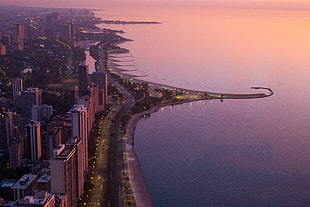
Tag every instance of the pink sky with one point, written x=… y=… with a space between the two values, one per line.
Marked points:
x=300 y=4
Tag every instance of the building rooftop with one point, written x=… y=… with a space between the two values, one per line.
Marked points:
x=39 y=199
x=62 y=151
x=7 y=183
x=44 y=178
x=24 y=181
x=66 y=151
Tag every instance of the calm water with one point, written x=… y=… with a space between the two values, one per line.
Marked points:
x=239 y=152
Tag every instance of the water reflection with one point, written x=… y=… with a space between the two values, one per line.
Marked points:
x=238 y=152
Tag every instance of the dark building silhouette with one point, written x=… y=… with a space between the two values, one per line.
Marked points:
x=101 y=79
x=20 y=37
x=17 y=86
x=29 y=97
x=83 y=77
x=16 y=152
x=33 y=148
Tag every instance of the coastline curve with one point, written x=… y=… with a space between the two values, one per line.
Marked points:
x=139 y=189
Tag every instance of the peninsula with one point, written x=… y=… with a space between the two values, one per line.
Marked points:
x=129 y=22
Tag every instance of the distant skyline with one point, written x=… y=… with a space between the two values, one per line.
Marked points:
x=279 y=4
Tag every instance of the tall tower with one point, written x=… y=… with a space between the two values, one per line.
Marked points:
x=2 y=49
x=79 y=119
x=63 y=173
x=16 y=152
x=83 y=77
x=80 y=167
x=20 y=36
x=52 y=139
x=17 y=86
x=10 y=127
x=6 y=130
x=33 y=141
x=31 y=96
x=10 y=137
x=101 y=79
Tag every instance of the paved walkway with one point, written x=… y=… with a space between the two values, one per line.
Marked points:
x=140 y=191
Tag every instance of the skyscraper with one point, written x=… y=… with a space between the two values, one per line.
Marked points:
x=31 y=96
x=33 y=141
x=10 y=137
x=83 y=77
x=10 y=126
x=63 y=173
x=80 y=128
x=80 y=167
x=20 y=36
x=101 y=79
x=6 y=126
x=16 y=152
x=52 y=139
x=17 y=86
x=40 y=113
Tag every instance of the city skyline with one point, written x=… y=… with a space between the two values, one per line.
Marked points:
x=274 y=4
x=186 y=104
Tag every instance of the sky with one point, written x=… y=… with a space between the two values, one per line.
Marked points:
x=295 y=4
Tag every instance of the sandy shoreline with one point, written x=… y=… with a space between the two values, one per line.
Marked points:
x=140 y=192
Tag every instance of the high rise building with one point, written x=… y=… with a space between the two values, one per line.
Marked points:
x=80 y=167
x=62 y=122
x=63 y=167
x=10 y=127
x=20 y=36
x=16 y=151
x=83 y=77
x=52 y=139
x=29 y=97
x=17 y=86
x=80 y=128
x=101 y=79
x=10 y=137
x=90 y=99
x=40 y=113
x=2 y=49
x=25 y=186
x=33 y=148
x=6 y=127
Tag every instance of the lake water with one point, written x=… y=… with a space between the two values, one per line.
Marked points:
x=238 y=152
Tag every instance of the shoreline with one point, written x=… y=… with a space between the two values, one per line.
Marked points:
x=140 y=192
x=124 y=73
x=135 y=186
